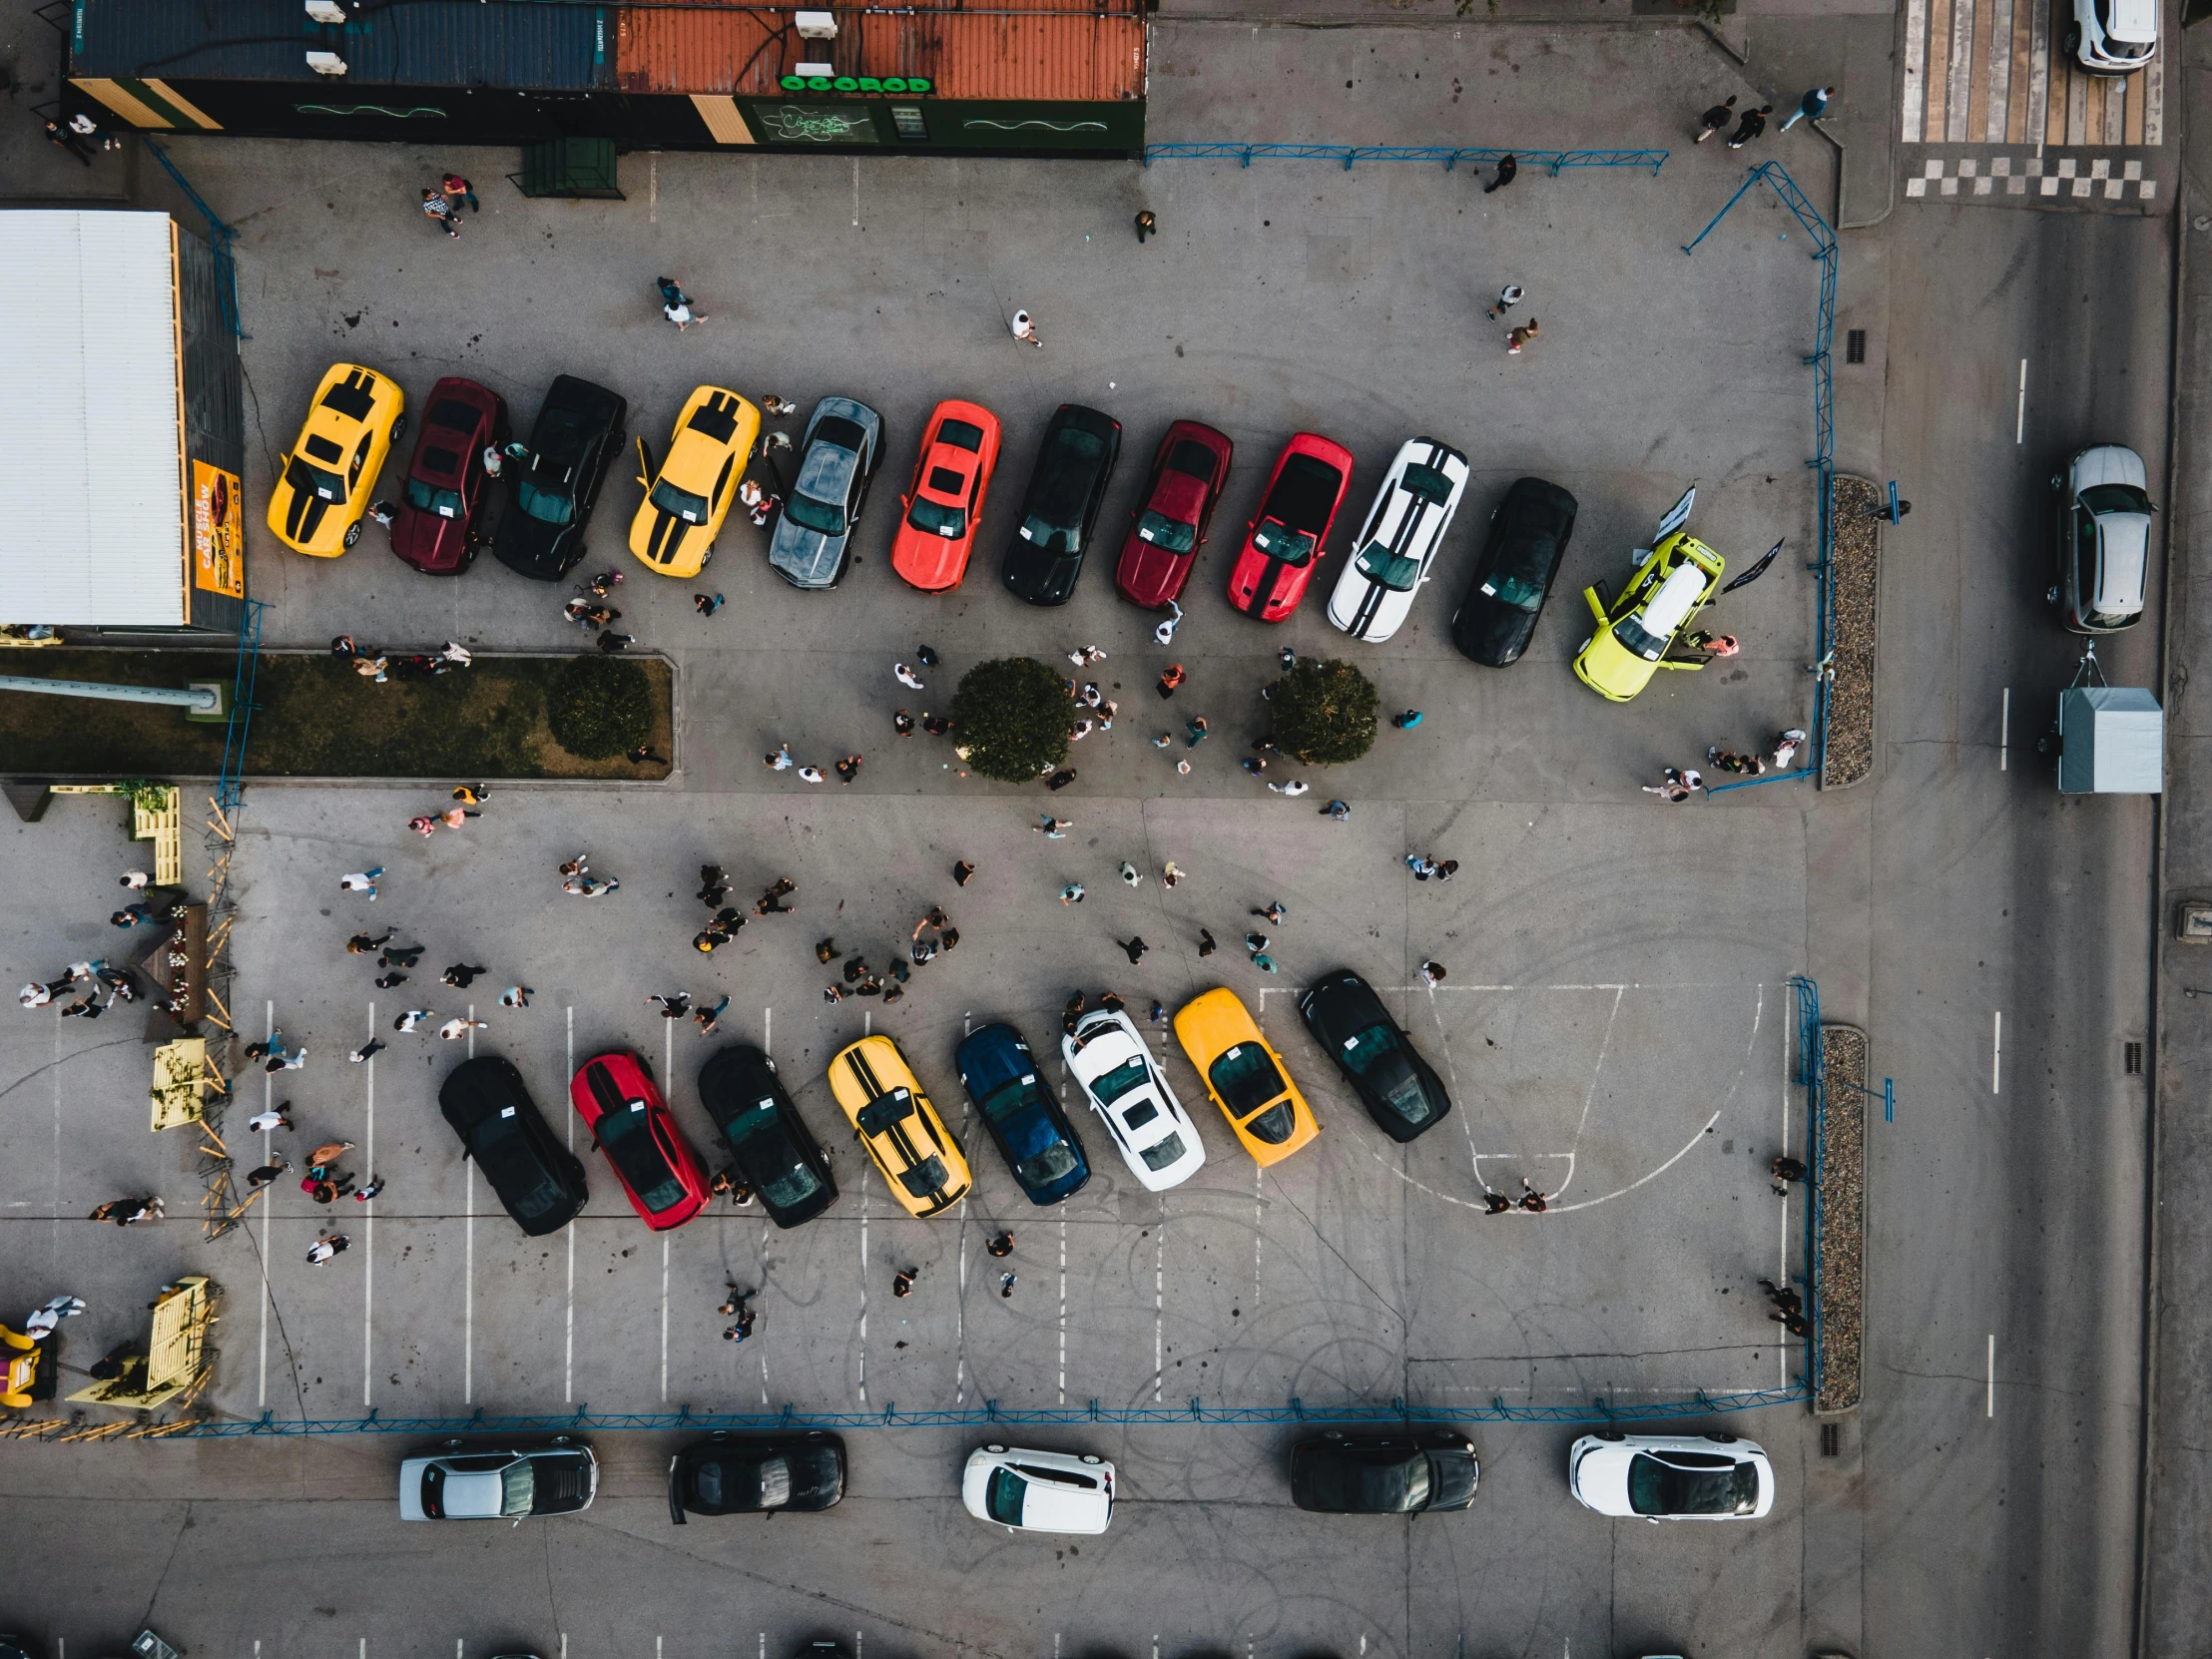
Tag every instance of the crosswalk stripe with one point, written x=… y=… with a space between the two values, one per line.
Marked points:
x=1997 y=72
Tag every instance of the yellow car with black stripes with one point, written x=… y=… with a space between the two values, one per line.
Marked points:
x=1247 y=1078
x=674 y=532
x=325 y=484
x=1635 y=632
x=920 y=1160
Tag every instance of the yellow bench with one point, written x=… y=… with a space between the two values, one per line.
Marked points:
x=164 y=826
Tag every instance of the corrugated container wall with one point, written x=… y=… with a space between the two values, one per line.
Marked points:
x=1050 y=53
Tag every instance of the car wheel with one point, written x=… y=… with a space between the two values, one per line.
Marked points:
x=2050 y=594
x=707 y=558
x=994 y=1451
x=1722 y=1439
x=563 y=1439
x=1090 y=1459
x=2073 y=41
x=1612 y=1434
x=353 y=532
x=449 y=1445
x=2057 y=481
x=400 y=427
x=1584 y=646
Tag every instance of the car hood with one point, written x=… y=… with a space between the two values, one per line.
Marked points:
x=1364 y=608
x=1598 y=1475
x=2110 y=463
x=531 y=547
x=806 y=558
x=1452 y=1475
x=429 y=541
x=1492 y=633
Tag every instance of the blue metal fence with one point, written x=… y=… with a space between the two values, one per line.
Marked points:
x=244 y=678
x=1810 y=1072
x=1445 y=155
x=1828 y=251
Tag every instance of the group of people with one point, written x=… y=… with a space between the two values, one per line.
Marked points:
x=1679 y=784
x=377 y=664
x=443 y=206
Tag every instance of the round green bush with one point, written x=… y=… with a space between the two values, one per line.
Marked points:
x=1325 y=713
x=1011 y=717
x=599 y=706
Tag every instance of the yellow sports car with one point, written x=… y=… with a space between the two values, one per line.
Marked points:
x=1633 y=636
x=325 y=484
x=674 y=532
x=1244 y=1076
x=920 y=1160
x=18 y=1367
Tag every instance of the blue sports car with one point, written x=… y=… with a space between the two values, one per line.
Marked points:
x=1023 y=1117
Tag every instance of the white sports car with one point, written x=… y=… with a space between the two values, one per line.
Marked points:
x=498 y=1483
x=1128 y=1090
x=1039 y=1491
x=1396 y=545
x=1671 y=1476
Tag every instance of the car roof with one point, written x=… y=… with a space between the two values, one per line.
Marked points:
x=2125 y=538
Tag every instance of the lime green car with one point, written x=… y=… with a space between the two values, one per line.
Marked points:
x=1633 y=636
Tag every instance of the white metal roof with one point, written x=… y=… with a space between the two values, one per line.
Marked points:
x=91 y=444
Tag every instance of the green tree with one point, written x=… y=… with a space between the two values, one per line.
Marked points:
x=1325 y=713
x=1011 y=718
x=599 y=706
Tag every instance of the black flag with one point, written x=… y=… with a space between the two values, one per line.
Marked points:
x=1756 y=571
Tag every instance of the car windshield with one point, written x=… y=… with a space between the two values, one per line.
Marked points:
x=1274 y=1125
x=1046 y=1167
x=758 y=1128
x=1290 y=547
x=550 y=505
x=1002 y=1498
x=1001 y=1105
x=1386 y=569
x=928 y=1177
x=315 y=480
x=934 y=518
x=518 y=1488
x=627 y=1139
x=1166 y=1150
x=823 y=517
x=1427 y=483
x=1361 y=1053
x=1715 y=1486
x=1132 y=1073
x=429 y=498
x=2115 y=498
x=1041 y=533
x=498 y=1148
x=680 y=503
x=1246 y=1078
x=962 y=435
x=1169 y=534
x=1516 y=591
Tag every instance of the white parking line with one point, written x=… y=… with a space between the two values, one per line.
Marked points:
x=2004 y=727
x=665 y=1239
x=368 y=1228
x=1782 y=1228
x=269 y=1033
x=1064 y=1307
x=768 y=1047
x=468 y=1288
x=568 y=1338
x=864 y=1280
x=1990 y=1389
x=1160 y=1304
x=2019 y=421
x=1259 y=1215
x=1996 y=1049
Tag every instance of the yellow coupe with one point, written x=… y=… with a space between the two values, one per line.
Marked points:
x=325 y=484
x=920 y=1160
x=674 y=532
x=1634 y=635
x=1244 y=1076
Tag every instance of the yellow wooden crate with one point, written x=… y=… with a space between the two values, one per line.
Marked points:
x=164 y=826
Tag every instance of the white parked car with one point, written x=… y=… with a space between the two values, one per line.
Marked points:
x=498 y=1483
x=2113 y=37
x=1671 y=1476
x=1128 y=1090
x=2103 y=548
x=1039 y=1491
x=1396 y=547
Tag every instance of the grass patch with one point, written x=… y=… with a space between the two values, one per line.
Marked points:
x=313 y=717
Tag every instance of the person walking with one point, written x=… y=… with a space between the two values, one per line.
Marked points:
x=1073 y=893
x=908 y=676
x=367 y=1051
x=1147 y=225
x=1754 y=122
x=1811 y=107
x=1135 y=947
x=1007 y=1285
x=1534 y=1202
x=1714 y=120
x=902 y=722
x=1164 y=633
x=1131 y=875
x=454 y=1030
x=441 y=213
x=1275 y=913
x=1495 y=1203
x=675 y=305
x=362 y=881
x=1786 y=747
x=257 y=1179
x=1060 y=779
x=961 y=872
x=1786 y=1170
x=705 y=604
x=1338 y=810
x=1420 y=864
x=326 y=1245
x=1170 y=874
x=277 y=1117
x=1206 y=944
x=1784 y=1297
x=462 y=974
x=1520 y=337
x=780 y=759
x=1796 y=1324
x=1508 y=170
x=1431 y=974
x=1508 y=297
x=902 y=1282
x=461 y=193
x=849 y=769
x=810 y=775
x=1294 y=789
x=413 y=1017
x=1171 y=678
x=1407 y=720
x=708 y=1019
x=1195 y=730
x=1731 y=762
x=1000 y=1244
x=1024 y=328
x=516 y=996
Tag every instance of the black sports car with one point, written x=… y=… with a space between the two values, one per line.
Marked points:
x=1066 y=489
x=723 y=1477
x=1400 y=1472
x=1377 y=1059
x=578 y=433
x=1530 y=532
x=536 y=1179
x=769 y=1142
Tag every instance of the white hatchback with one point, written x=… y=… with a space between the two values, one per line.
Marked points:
x=1039 y=1491
x=2113 y=37
x=1671 y=1476
x=1392 y=556
x=1129 y=1091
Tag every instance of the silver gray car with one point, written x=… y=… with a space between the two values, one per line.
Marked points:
x=845 y=440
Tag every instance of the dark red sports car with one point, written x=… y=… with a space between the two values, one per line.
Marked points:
x=666 y=1182
x=1166 y=532
x=441 y=506
x=1285 y=539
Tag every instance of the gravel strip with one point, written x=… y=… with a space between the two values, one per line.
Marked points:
x=1840 y=1174
x=1855 y=564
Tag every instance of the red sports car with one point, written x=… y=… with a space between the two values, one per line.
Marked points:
x=1283 y=541
x=1165 y=534
x=959 y=450
x=443 y=500
x=655 y=1164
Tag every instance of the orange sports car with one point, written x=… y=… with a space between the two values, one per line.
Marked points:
x=936 y=529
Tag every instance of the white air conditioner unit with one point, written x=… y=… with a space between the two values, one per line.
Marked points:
x=829 y=69
x=325 y=11
x=325 y=63
x=815 y=25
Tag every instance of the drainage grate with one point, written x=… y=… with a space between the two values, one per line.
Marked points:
x=2135 y=1060
x=1832 y=1439
x=1855 y=346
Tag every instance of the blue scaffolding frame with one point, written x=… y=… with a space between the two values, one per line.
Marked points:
x=1826 y=251
x=244 y=678
x=1447 y=155
x=219 y=236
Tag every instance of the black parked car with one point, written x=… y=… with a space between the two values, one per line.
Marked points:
x=537 y=1180
x=577 y=435
x=1401 y=1471
x=769 y=1141
x=1377 y=1059
x=723 y=1477
x=1066 y=489
x=1529 y=531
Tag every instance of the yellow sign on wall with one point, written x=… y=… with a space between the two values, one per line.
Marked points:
x=217 y=531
